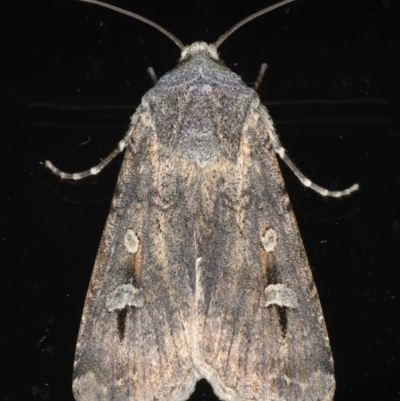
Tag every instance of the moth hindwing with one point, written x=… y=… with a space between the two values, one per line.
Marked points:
x=201 y=270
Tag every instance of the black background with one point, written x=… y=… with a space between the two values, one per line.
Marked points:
x=73 y=74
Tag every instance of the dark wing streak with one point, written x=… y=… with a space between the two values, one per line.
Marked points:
x=236 y=289
x=234 y=334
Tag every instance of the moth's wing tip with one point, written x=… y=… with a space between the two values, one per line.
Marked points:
x=227 y=393
x=86 y=387
x=330 y=394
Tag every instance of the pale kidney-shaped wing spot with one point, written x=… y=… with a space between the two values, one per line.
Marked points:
x=280 y=295
x=269 y=240
x=124 y=295
x=131 y=242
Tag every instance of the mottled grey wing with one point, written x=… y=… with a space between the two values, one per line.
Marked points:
x=133 y=342
x=260 y=330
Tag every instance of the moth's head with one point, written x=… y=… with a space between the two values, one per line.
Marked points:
x=209 y=50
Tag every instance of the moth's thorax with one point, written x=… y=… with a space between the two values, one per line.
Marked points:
x=199 y=108
x=199 y=48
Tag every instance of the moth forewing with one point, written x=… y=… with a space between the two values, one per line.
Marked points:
x=201 y=270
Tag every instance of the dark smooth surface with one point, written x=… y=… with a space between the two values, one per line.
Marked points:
x=73 y=74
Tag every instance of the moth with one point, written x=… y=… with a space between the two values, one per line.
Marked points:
x=201 y=270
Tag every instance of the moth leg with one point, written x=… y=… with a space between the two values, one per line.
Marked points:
x=153 y=75
x=260 y=76
x=279 y=149
x=95 y=169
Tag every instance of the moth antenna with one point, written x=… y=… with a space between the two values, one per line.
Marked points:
x=229 y=32
x=140 y=18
